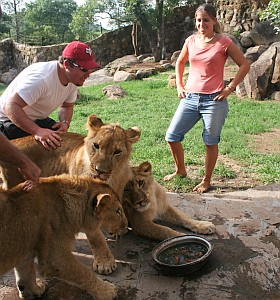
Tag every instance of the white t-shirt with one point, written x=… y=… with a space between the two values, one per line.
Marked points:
x=39 y=86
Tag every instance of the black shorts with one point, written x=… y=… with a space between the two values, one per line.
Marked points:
x=11 y=131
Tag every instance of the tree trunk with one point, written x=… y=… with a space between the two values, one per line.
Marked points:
x=134 y=36
x=160 y=30
x=153 y=37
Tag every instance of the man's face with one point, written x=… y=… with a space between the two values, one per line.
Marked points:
x=77 y=74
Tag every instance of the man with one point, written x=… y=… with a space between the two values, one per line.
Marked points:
x=10 y=154
x=39 y=90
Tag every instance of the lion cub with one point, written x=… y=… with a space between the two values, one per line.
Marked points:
x=145 y=200
x=43 y=222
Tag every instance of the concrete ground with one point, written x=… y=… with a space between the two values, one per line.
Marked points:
x=244 y=264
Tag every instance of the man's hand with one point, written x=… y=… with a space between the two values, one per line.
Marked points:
x=29 y=170
x=28 y=185
x=48 y=138
x=61 y=126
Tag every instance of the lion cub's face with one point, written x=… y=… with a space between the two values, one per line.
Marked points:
x=114 y=222
x=139 y=189
x=108 y=146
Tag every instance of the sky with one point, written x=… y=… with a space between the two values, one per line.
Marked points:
x=80 y=2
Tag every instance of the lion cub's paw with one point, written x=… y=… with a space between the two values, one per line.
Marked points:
x=205 y=227
x=103 y=266
x=32 y=291
x=106 y=291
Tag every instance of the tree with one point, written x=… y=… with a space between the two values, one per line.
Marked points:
x=272 y=14
x=5 y=24
x=84 y=21
x=49 y=20
x=146 y=16
x=14 y=22
x=151 y=16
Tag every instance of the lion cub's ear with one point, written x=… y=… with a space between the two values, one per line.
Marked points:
x=94 y=122
x=133 y=134
x=101 y=202
x=145 y=168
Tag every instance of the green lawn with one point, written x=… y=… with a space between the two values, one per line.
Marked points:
x=150 y=104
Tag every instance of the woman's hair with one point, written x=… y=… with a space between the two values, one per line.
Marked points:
x=211 y=11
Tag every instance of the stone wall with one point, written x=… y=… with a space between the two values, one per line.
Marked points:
x=108 y=46
x=239 y=15
x=234 y=16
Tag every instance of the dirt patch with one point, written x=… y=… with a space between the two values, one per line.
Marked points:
x=243 y=177
x=243 y=180
x=268 y=142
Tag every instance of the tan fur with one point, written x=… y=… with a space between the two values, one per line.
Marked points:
x=42 y=223
x=104 y=153
x=145 y=201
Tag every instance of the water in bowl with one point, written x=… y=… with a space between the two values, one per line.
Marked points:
x=182 y=253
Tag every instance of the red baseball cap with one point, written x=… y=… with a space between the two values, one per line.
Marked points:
x=82 y=54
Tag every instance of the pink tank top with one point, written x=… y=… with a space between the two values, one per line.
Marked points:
x=206 y=74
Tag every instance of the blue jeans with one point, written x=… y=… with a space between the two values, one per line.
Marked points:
x=193 y=108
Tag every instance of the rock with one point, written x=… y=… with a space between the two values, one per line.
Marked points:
x=253 y=53
x=246 y=40
x=258 y=81
x=9 y=76
x=123 y=76
x=144 y=73
x=175 y=56
x=98 y=77
x=149 y=59
x=121 y=63
x=172 y=81
x=264 y=34
x=143 y=56
x=276 y=71
x=113 y=91
x=275 y=96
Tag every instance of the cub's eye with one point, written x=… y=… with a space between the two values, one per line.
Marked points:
x=96 y=146
x=117 y=151
x=141 y=182
x=119 y=212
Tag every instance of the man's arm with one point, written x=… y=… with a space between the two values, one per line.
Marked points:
x=65 y=117
x=14 y=111
x=11 y=154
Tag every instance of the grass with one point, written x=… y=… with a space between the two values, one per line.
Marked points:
x=150 y=105
x=2 y=87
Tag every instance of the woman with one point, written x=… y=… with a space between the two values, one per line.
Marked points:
x=204 y=95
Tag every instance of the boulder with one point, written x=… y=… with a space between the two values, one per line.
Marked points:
x=261 y=81
x=145 y=73
x=99 y=76
x=123 y=76
x=9 y=76
x=246 y=40
x=113 y=91
x=253 y=53
x=264 y=34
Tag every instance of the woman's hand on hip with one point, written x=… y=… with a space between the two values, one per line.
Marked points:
x=223 y=94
